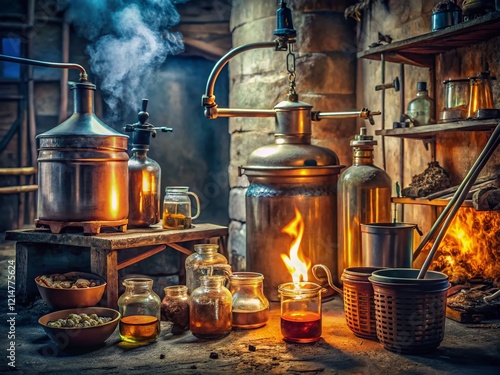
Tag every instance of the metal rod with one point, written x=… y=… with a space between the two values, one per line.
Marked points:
x=402 y=140
x=458 y=199
x=382 y=140
x=346 y=114
x=46 y=64
x=228 y=56
x=230 y=112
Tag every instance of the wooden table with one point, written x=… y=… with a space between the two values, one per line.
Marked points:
x=104 y=248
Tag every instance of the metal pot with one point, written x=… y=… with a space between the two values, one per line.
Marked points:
x=290 y=174
x=445 y=14
x=82 y=170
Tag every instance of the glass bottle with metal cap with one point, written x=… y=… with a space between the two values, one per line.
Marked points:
x=204 y=261
x=364 y=196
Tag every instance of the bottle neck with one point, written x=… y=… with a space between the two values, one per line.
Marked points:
x=138 y=286
x=176 y=291
x=212 y=282
x=206 y=249
x=363 y=156
x=422 y=93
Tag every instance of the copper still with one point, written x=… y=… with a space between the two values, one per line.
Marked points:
x=82 y=166
x=287 y=175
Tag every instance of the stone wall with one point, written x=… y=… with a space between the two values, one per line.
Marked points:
x=326 y=79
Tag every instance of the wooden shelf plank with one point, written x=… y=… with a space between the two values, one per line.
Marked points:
x=420 y=50
x=429 y=131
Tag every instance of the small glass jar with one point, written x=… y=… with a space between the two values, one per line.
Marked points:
x=301 y=319
x=175 y=308
x=177 y=207
x=196 y=264
x=139 y=307
x=210 y=309
x=250 y=305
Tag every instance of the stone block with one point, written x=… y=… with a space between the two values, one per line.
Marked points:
x=247 y=124
x=326 y=74
x=237 y=204
x=259 y=92
x=326 y=31
x=235 y=180
x=244 y=12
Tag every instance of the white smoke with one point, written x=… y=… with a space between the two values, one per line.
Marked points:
x=129 y=40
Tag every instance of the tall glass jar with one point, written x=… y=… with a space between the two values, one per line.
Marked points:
x=177 y=207
x=250 y=305
x=204 y=255
x=363 y=196
x=175 y=307
x=210 y=309
x=140 y=311
x=301 y=315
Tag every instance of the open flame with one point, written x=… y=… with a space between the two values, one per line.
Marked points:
x=295 y=263
x=471 y=247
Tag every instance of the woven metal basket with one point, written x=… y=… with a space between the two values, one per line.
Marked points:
x=410 y=313
x=359 y=307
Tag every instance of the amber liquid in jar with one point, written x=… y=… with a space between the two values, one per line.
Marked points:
x=301 y=326
x=173 y=218
x=205 y=323
x=139 y=328
x=253 y=319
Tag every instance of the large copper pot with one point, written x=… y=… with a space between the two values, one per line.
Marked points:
x=82 y=169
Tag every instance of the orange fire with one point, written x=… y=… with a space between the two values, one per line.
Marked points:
x=471 y=247
x=296 y=264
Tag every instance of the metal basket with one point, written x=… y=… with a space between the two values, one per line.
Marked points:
x=359 y=307
x=410 y=312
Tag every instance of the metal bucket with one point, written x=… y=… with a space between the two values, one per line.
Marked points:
x=387 y=244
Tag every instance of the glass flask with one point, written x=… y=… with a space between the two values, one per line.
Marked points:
x=481 y=96
x=144 y=188
x=140 y=310
x=177 y=207
x=175 y=308
x=364 y=196
x=210 y=309
x=196 y=264
x=421 y=109
x=250 y=305
x=301 y=319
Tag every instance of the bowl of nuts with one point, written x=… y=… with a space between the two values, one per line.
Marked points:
x=80 y=328
x=71 y=289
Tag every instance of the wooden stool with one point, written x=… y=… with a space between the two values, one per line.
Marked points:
x=104 y=249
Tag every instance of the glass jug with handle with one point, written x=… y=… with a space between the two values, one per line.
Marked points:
x=177 y=207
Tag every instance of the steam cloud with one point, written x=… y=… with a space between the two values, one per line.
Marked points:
x=129 y=39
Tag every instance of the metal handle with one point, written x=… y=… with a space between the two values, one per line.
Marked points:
x=328 y=275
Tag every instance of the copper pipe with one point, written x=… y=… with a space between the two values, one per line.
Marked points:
x=457 y=200
x=230 y=112
x=17 y=171
x=46 y=64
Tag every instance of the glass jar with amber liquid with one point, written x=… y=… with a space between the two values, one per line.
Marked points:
x=175 y=308
x=301 y=319
x=205 y=261
x=177 y=207
x=140 y=309
x=210 y=309
x=250 y=305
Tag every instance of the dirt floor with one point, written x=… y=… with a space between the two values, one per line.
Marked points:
x=464 y=350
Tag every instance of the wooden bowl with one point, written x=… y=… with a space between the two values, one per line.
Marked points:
x=66 y=337
x=58 y=298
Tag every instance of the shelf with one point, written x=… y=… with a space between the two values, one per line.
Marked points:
x=429 y=131
x=420 y=50
x=427 y=202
